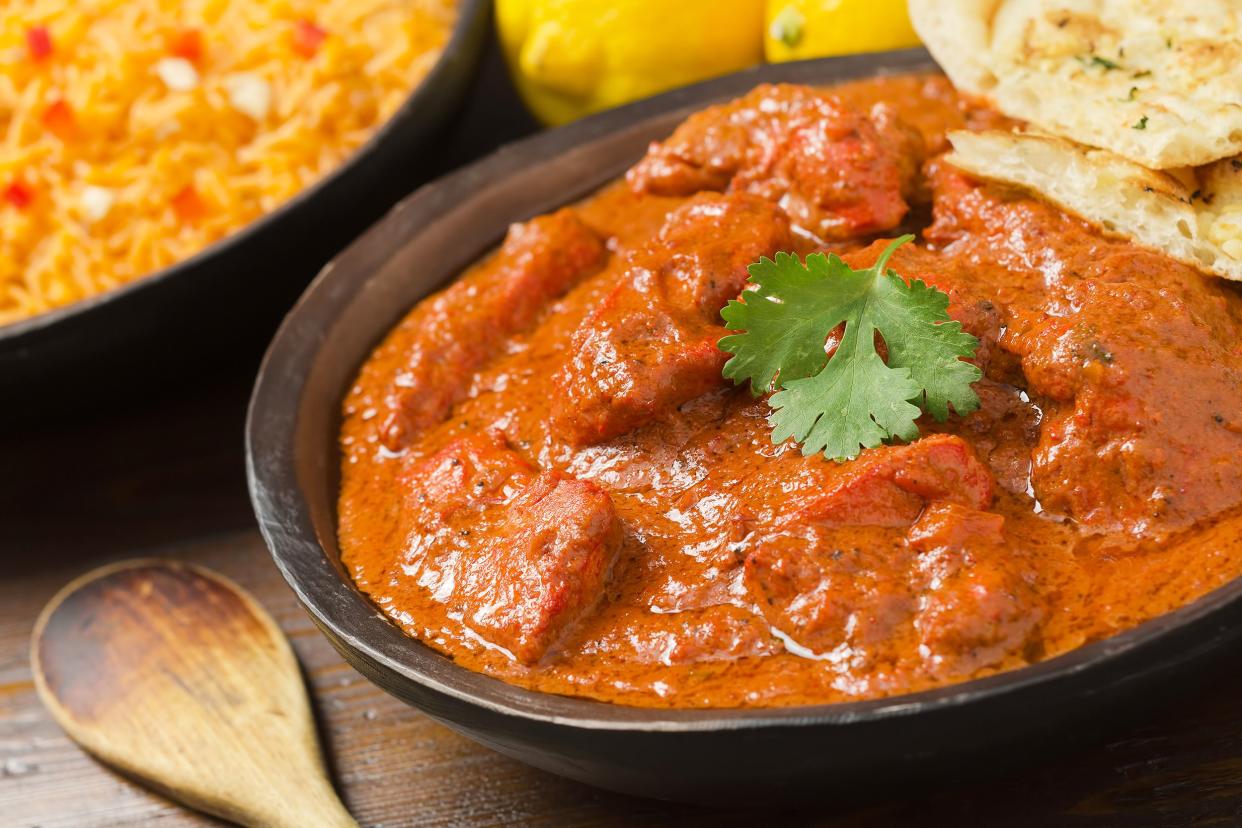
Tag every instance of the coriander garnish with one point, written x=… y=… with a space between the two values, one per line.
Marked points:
x=853 y=399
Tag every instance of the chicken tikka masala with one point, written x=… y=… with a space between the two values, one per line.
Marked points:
x=546 y=476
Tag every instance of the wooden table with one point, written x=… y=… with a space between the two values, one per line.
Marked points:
x=163 y=476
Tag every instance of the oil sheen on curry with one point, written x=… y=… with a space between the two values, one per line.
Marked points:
x=546 y=477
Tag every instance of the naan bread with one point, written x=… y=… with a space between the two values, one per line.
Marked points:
x=1156 y=81
x=1194 y=216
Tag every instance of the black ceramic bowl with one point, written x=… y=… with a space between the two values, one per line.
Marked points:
x=830 y=753
x=222 y=292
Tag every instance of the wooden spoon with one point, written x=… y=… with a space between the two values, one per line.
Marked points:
x=176 y=677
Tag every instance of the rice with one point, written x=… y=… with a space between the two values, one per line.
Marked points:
x=134 y=133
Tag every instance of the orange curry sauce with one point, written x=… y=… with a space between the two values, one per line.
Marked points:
x=546 y=478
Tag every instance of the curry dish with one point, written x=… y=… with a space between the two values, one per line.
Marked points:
x=546 y=478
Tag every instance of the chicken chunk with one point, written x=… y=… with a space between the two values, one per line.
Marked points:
x=518 y=553
x=977 y=607
x=470 y=471
x=634 y=359
x=459 y=329
x=838 y=173
x=953 y=526
x=540 y=567
x=651 y=343
x=824 y=595
x=704 y=249
x=824 y=588
x=889 y=486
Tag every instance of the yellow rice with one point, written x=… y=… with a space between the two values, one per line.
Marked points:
x=136 y=143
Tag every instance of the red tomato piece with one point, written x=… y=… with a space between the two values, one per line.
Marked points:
x=188 y=44
x=19 y=194
x=188 y=204
x=60 y=120
x=307 y=38
x=39 y=43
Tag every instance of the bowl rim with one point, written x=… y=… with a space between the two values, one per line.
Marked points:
x=282 y=512
x=469 y=13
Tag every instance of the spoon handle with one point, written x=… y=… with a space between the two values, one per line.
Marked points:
x=317 y=807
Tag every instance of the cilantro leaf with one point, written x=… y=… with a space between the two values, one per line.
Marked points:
x=914 y=321
x=855 y=398
x=786 y=319
x=855 y=401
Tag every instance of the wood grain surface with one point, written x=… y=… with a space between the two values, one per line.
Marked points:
x=163 y=476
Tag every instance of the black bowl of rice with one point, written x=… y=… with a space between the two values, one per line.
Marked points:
x=173 y=179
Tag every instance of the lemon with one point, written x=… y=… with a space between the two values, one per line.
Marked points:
x=569 y=58
x=797 y=29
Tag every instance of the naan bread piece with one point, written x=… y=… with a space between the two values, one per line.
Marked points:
x=1195 y=216
x=1155 y=81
